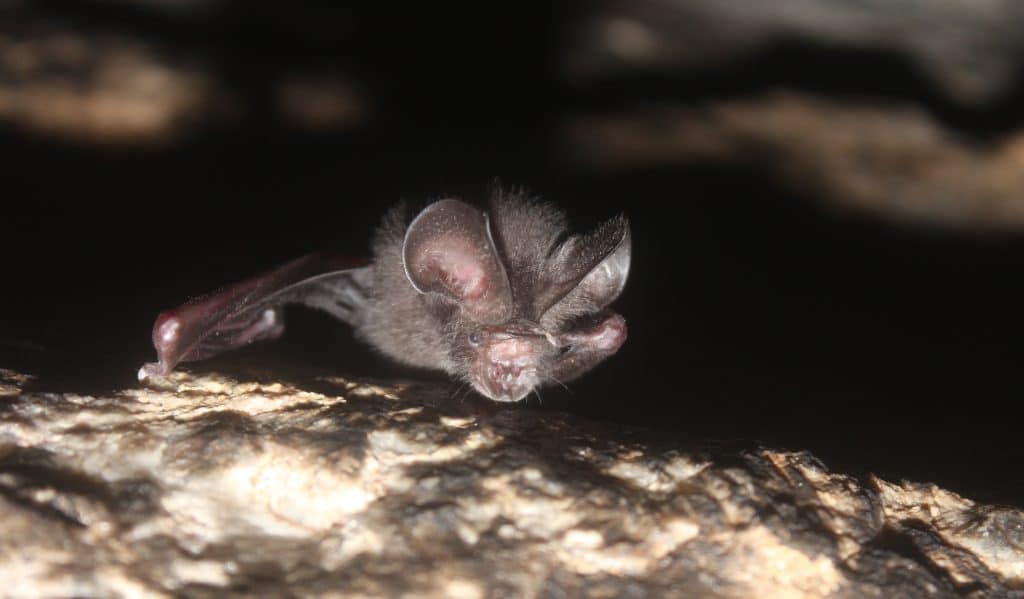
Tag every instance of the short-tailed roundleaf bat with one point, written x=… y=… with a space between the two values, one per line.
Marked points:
x=502 y=297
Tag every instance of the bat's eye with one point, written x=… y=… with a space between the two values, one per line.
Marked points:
x=475 y=338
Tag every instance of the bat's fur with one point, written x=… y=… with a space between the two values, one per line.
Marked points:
x=547 y=271
x=502 y=296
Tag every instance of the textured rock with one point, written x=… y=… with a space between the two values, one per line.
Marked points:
x=92 y=85
x=971 y=49
x=889 y=160
x=97 y=87
x=207 y=486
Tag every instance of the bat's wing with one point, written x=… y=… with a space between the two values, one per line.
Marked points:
x=251 y=310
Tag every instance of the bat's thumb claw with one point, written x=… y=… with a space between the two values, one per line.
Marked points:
x=151 y=369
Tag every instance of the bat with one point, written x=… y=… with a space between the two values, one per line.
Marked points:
x=502 y=296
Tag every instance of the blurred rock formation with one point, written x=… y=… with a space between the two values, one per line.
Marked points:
x=898 y=111
x=68 y=78
x=889 y=160
x=971 y=50
x=907 y=111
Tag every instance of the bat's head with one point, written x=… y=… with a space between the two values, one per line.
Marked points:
x=511 y=330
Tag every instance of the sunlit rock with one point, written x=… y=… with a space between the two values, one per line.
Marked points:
x=206 y=485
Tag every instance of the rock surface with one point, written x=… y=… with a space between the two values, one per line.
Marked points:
x=203 y=485
x=971 y=50
x=96 y=87
x=903 y=112
x=109 y=85
x=890 y=160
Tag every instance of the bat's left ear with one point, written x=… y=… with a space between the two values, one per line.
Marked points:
x=593 y=267
x=449 y=250
x=606 y=281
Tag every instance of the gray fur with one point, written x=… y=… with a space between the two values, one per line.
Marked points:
x=555 y=280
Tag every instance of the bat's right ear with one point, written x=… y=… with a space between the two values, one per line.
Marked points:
x=448 y=249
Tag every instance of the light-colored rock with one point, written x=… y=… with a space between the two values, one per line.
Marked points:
x=99 y=88
x=970 y=49
x=63 y=78
x=202 y=485
x=889 y=160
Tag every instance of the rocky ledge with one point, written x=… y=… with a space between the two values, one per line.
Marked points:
x=203 y=485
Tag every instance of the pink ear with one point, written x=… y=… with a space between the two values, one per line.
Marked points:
x=458 y=267
x=449 y=250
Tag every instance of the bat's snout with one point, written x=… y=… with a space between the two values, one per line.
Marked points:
x=508 y=369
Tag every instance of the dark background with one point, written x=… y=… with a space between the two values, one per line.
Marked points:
x=755 y=312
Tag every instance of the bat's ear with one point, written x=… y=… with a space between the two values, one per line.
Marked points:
x=448 y=249
x=607 y=279
x=594 y=267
